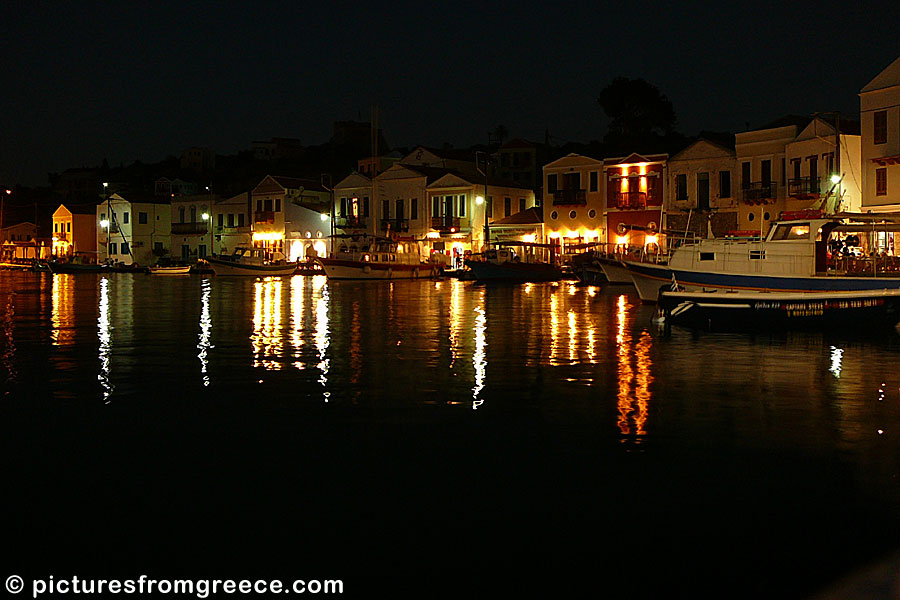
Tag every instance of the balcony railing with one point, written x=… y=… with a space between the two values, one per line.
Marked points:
x=395 y=224
x=232 y=229
x=264 y=216
x=759 y=191
x=445 y=223
x=569 y=197
x=351 y=222
x=631 y=200
x=190 y=228
x=804 y=187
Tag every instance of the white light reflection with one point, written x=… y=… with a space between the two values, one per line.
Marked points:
x=837 y=355
x=205 y=329
x=104 y=333
x=320 y=287
x=297 y=307
x=479 y=359
x=61 y=310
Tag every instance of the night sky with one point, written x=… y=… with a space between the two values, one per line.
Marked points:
x=132 y=81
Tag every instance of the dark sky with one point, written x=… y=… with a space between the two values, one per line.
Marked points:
x=143 y=80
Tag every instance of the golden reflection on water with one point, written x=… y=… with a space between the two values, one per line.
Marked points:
x=205 y=330
x=104 y=334
x=554 y=329
x=266 y=338
x=456 y=288
x=479 y=357
x=9 y=347
x=62 y=311
x=634 y=375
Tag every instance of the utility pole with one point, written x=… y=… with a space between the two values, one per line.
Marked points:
x=487 y=226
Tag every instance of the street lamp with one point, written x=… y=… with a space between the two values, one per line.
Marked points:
x=205 y=216
x=105 y=222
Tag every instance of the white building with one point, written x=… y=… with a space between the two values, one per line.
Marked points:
x=232 y=223
x=879 y=103
x=702 y=195
x=133 y=230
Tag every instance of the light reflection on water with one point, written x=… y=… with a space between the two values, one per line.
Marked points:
x=104 y=335
x=205 y=330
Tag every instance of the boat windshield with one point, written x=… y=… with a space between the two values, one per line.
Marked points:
x=790 y=231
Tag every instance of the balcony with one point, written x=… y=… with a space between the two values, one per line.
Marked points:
x=352 y=222
x=631 y=200
x=759 y=192
x=445 y=223
x=264 y=217
x=804 y=187
x=189 y=228
x=395 y=225
x=569 y=197
x=231 y=230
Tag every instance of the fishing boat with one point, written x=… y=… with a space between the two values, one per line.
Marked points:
x=252 y=261
x=504 y=264
x=614 y=269
x=804 y=251
x=170 y=270
x=723 y=310
x=366 y=257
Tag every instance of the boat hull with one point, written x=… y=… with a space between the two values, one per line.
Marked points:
x=170 y=270
x=735 y=311
x=614 y=270
x=73 y=268
x=229 y=268
x=336 y=268
x=513 y=271
x=649 y=278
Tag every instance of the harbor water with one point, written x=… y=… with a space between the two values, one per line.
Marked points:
x=423 y=438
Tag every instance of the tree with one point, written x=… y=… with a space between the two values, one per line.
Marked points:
x=640 y=115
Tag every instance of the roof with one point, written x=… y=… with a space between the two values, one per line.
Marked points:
x=719 y=138
x=296 y=183
x=431 y=174
x=529 y=216
x=889 y=77
x=81 y=209
x=636 y=158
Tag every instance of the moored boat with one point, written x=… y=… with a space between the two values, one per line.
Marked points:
x=170 y=270
x=723 y=310
x=376 y=258
x=502 y=264
x=614 y=269
x=800 y=253
x=251 y=262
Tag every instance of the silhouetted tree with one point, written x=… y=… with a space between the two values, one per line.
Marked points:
x=641 y=117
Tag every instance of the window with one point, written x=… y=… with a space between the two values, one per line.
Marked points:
x=56 y=228
x=113 y=248
x=592 y=213
x=342 y=213
x=880 y=131
x=385 y=209
x=68 y=227
x=745 y=175
x=277 y=204
x=766 y=172
x=554 y=215
x=240 y=219
x=681 y=192
x=193 y=214
x=795 y=169
x=828 y=157
x=125 y=218
x=757 y=254
x=594 y=181
x=707 y=256
x=436 y=206
x=157 y=248
x=703 y=191
x=365 y=206
x=507 y=207
x=124 y=249
x=202 y=251
x=783 y=172
x=230 y=220
x=799 y=231
x=267 y=204
x=813 y=169
x=724 y=184
x=551 y=183
x=399 y=208
x=521 y=204
x=462 y=205
x=572 y=214
x=181 y=214
x=142 y=218
x=881 y=182
x=414 y=209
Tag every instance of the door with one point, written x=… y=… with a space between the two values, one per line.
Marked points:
x=703 y=191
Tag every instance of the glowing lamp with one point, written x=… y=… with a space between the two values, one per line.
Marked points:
x=324 y=217
x=479 y=199
x=652 y=239
x=104 y=223
x=205 y=216
x=835 y=178
x=621 y=239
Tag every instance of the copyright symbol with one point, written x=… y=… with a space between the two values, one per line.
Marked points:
x=14 y=584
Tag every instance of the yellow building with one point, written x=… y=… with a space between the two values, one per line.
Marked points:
x=75 y=230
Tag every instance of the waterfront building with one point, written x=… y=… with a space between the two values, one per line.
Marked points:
x=400 y=208
x=459 y=204
x=134 y=228
x=353 y=203
x=520 y=161
x=703 y=197
x=635 y=195
x=574 y=203
x=282 y=208
x=20 y=242
x=191 y=227
x=373 y=165
x=75 y=231
x=819 y=176
x=232 y=223
x=462 y=161
x=879 y=103
x=175 y=187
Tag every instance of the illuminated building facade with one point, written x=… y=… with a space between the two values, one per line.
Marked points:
x=879 y=104
x=75 y=230
x=635 y=194
x=133 y=229
x=354 y=201
x=702 y=193
x=282 y=213
x=192 y=238
x=574 y=202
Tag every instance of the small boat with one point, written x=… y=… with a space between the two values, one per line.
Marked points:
x=503 y=264
x=252 y=261
x=170 y=270
x=73 y=267
x=722 y=310
x=128 y=268
x=377 y=258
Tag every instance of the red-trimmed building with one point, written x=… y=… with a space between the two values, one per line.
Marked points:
x=635 y=192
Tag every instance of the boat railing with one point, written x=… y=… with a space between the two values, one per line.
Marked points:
x=865 y=266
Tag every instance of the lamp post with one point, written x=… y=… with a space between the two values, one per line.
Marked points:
x=105 y=223
x=208 y=217
x=484 y=200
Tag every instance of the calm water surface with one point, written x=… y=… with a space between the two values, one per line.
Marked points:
x=447 y=436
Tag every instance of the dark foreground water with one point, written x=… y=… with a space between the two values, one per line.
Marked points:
x=423 y=439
